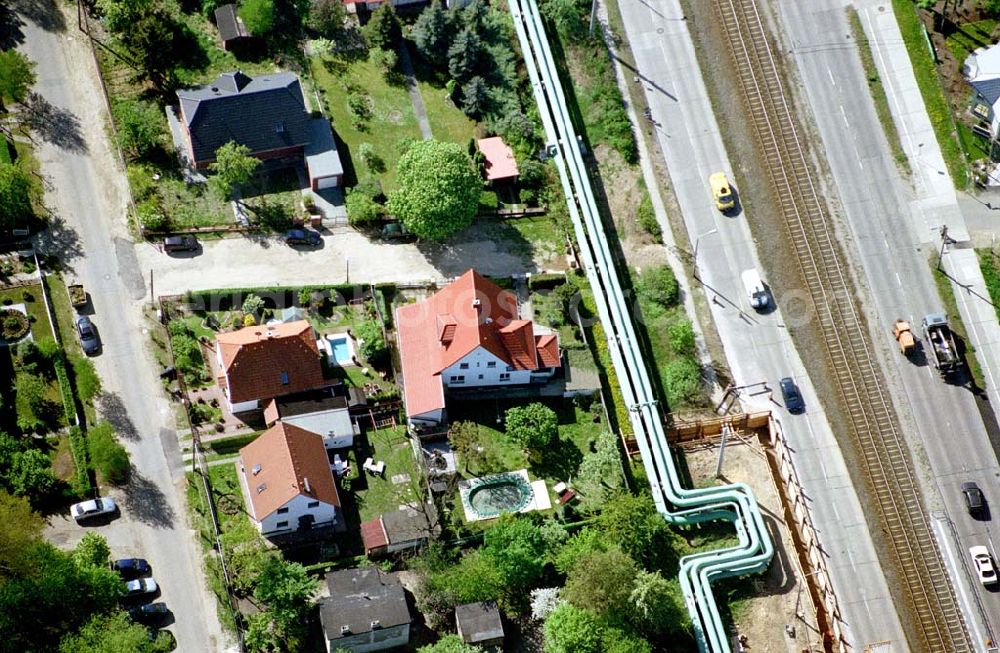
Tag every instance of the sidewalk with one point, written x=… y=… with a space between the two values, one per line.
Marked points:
x=936 y=201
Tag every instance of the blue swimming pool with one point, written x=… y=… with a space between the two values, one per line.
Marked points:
x=341 y=348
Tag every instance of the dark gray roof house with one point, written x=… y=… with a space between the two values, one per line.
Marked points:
x=479 y=623
x=366 y=611
x=267 y=114
x=232 y=31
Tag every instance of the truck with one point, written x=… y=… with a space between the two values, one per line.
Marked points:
x=77 y=295
x=941 y=342
x=904 y=336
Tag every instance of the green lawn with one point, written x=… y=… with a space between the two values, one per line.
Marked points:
x=5 y=147
x=31 y=297
x=448 y=122
x=375 y=495
x=392 y=112
x=970 y=36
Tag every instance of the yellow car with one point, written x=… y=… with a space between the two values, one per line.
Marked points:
x=722 y=191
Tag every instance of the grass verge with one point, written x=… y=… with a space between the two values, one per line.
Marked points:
x=877 y=91
x=925 y=70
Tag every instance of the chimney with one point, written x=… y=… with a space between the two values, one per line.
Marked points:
x=305 y=481
x=376 y=624
x=476 y=304
x=345 y=630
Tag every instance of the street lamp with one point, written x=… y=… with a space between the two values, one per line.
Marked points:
x=697 y=241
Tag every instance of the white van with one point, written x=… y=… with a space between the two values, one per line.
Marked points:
x=753 y=285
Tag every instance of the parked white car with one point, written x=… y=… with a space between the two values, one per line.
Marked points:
x=983 y=562
x=93 y=508
x=139 y=586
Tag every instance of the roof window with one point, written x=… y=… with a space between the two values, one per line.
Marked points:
x=261 y=487
x=256 y=469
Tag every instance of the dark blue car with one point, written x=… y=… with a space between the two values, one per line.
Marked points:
x=303 y=237
x=131 y=567
x=790 y=393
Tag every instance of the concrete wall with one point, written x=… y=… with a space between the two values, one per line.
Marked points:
x=379 y=639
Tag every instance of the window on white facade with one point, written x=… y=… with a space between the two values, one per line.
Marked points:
x=491 y=364
x=480 y=377
x=313 y=504
x=457 y=379
x=463 y=366
x=282 y=524
x=504 y=376
x=282 y=511
x=510 y=369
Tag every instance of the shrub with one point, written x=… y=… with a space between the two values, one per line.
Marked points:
x=78 y=447
x=657 y=285
x=361 y=209
x=139 y=126
x=140 y=178
x=371 y=158
x=14 y=325
x=188 y=358
x=151 y=215
x=373 y=346
x=65 y=389
x=682 y=381
x=34 y=410
x=253 y=305
x=109 y=457
x=88 y=384
x=359 y=106
x=384 y=60
x=326 y=17
x=680 y=335
x=647 y=219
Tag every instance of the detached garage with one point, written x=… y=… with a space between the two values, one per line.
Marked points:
x=322 y=159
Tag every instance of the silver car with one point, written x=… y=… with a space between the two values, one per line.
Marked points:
x=93 y=508
x=139 y=586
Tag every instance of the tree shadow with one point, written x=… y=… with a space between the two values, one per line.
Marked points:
x=111 y=408
x=43 y=13
x=146 y=503
x=58 y=126
x=11 y=34
x=61 y=241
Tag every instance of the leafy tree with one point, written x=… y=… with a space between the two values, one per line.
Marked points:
x=30 y=474
x=326 y=17
x=568 y=629
x=113 y=633
x=632 y=523
x=601 y=582
x=88 y=384
x=30 y=358
x=370 y=157
x=15 y=196
x=449 y=644
x=246 y=555
x=584 y=543
x=430 y=33
x=680 y=335
x=253 y=305
x=157 y=42
x=384 y=60
x=361 y=208
x=92 y=550
x=359 y=106
x=20 y=530
x=233 y=167
x=438 y=191
x=533 y=427
x=35 y=411
x=262 y=636
x=475 y=578
x=657 y=605
x=17 y=76
x=464 y=54
x=287 y=590
x=465 y=440
x=617 y=640
x=118 y=15
x=517 y=550
x=600 y=471
x=187 y=356
x=259 y=16
x=109 y=457
x=373 y=346
x=568 y=16
x=383 y=30
x=475 y=96
x=657 y=285
x=139 y=126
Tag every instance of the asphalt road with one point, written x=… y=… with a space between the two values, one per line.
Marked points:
x=85 y=196
x=942 y=421
x=758 y=346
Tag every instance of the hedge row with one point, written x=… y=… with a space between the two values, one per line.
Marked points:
x=604 y=358
x=65 y=388
x=545 y=281
x=78 y=447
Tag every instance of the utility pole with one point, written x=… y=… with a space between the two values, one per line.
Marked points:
x=945 y=241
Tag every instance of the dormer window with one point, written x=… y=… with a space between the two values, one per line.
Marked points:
x=280 y=128
x=256 y=469
x=261 y=487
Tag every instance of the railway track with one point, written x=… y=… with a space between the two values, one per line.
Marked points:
x=920 y=569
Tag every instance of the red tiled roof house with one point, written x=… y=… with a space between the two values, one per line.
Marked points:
x=263 y=362
x=469 y=334
x=286 y=480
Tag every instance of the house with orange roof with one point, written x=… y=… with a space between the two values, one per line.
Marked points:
x=256 y=364
x=468 y=335
x=286 y=480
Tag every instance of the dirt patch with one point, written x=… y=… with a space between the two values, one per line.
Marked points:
x=62 y=461
x=768 y=603
x=624 y=190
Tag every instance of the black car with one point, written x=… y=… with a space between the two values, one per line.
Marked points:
x=180 y=244
x=974 y=499
x=89 y=339
x=131 y=567
x=303 y=237
x=149 y=613
x=790 y=393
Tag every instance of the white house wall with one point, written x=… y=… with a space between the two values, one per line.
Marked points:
x=479 y=373
x=297 y=507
